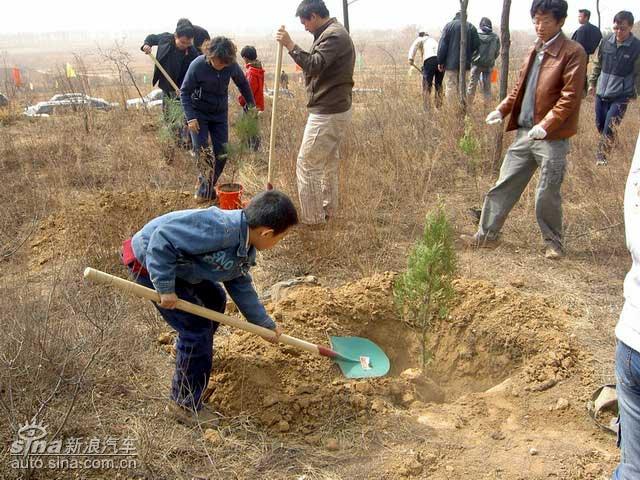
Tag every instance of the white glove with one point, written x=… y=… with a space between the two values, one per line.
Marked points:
x=494 y=118
x=537 y=133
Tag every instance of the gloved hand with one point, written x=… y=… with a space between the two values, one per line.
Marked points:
x=537 y=133
x=494 y=118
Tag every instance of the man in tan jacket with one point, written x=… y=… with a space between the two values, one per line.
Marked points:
x=328 y=73
x=544 y=108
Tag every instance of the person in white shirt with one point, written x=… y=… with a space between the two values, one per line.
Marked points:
x=428 y=48
x=628 y=336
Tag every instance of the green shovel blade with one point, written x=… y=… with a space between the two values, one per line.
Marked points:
x=351 y=349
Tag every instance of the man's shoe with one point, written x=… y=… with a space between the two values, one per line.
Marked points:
x=476 y=241
x=553 y=253
x=206 y=416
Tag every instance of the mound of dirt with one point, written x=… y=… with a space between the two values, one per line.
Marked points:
x=86 y=221
x=491 y=332
x=489 y=335
x=291 y=390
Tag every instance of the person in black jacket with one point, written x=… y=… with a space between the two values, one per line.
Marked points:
x=587 y=35
x=200 y=35
x=449 y=52
x=175 y=53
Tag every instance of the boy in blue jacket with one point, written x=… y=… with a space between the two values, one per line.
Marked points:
x=187 y=254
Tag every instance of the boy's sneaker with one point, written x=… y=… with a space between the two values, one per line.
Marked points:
x=553 y=253
x=206 y=416
x=476 y=241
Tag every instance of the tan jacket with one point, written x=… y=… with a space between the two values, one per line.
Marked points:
x=559 y=91
x=328 y=69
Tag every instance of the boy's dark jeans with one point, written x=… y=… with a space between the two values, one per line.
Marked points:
x=194 y=348
x=609 y=114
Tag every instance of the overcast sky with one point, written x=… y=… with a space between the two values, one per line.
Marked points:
x=261 y=16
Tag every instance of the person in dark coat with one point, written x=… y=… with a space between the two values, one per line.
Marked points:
x=200 y=35
x=205 y=99
x=484 y=60
x=175 y=53
x=615 y=80
x=588 y=35
x=449 y=51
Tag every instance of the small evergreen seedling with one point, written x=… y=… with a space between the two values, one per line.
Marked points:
x=424 y=291
x=245 y=128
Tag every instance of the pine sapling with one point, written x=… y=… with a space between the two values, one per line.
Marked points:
x=424 y=291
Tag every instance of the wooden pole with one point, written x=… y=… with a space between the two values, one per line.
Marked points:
x=505 y=40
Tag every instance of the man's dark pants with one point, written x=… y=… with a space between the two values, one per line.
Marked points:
x=431 y=74
x=609 y=114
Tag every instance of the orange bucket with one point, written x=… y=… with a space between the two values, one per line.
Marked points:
x=494 y=76
x=229 y=196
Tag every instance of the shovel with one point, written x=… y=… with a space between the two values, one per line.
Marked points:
x=274 y=108
x=164 y=72
x=357 y=357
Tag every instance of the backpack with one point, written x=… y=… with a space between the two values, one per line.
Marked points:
x=486 y=55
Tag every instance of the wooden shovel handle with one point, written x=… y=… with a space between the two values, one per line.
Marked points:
x=164 y=72
x=141 y=291
x=274 y=109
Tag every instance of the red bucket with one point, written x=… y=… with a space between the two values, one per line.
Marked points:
x=229 y=196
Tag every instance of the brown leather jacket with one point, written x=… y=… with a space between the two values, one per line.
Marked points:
x=559 y=91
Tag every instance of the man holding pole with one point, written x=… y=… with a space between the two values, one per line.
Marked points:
x=328 y=73
x=175 y=54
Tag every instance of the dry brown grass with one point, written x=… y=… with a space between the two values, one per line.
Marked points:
x=83 y=358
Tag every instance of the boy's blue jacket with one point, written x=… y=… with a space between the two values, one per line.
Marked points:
x=204 y=244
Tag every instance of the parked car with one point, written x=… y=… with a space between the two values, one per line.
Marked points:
x=63 y=102
x=282 y=93
x=4 y=101
x=153 y=99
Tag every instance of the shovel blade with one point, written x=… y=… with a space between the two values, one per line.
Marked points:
x=359 y=357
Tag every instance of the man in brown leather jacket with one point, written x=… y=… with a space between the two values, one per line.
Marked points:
x=544 y=108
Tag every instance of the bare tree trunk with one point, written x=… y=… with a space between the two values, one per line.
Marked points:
x=599 y=16
x=505 y=40
x=462 y=72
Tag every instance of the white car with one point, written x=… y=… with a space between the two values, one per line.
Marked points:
x=153 y=99
x=63 y=102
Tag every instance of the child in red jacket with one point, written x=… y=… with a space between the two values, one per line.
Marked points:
x=255 y=76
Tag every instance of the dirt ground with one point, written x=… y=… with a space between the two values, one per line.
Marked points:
x=513 y=366
x=525 y=343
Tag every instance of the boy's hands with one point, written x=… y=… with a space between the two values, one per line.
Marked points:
x=276 y=339
x=146 y=49
x=168 y=300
